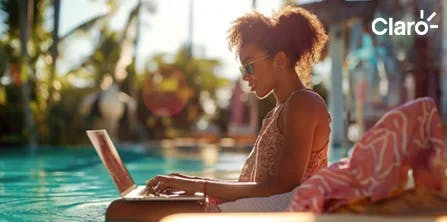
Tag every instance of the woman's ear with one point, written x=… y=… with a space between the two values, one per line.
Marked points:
x=280 y=61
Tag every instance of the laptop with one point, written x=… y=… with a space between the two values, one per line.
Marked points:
x=121 y=176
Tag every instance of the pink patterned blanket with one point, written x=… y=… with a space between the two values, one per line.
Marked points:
x=408 y=137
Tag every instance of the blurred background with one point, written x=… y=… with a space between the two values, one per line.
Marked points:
x=152 y=70
x=159 y=77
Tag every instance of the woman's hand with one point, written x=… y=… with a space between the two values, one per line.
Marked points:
x=161 y=184
x=185 y=176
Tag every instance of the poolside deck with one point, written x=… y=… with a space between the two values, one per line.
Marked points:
x=294 y=217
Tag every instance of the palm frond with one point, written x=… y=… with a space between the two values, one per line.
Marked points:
x=84 y=27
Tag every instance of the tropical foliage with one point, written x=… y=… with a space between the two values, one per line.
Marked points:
x=53 y=98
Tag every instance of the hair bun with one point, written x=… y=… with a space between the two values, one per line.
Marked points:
x=299 y=34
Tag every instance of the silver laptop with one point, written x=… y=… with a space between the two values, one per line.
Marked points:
x=123 y=181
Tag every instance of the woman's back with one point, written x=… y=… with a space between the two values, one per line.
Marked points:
x=263 y=161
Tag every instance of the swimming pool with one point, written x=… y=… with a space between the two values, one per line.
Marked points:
x=61 y=184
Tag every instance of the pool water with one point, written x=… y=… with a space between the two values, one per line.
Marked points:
x=61 y=184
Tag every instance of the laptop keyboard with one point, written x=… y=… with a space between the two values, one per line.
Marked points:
x=167 y=193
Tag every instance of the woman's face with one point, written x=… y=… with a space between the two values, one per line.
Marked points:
x=261 y=79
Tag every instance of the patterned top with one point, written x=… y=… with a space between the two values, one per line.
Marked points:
x=263 y=160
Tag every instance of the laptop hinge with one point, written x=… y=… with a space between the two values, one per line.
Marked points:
x=133 y=187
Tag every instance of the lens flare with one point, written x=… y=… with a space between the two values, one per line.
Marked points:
x=165 y=92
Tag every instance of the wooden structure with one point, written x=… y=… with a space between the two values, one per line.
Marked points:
x=295 y=217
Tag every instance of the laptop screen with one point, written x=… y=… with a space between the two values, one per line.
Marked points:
x=111 y=159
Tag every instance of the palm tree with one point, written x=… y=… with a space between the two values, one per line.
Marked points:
x=130 y=38
x=26 y=10
x=53 y=49
x=112 y=44
x=25 y=24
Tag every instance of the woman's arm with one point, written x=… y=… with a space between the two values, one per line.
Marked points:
x=198 y=177
x=234 y=191
x=219 y=189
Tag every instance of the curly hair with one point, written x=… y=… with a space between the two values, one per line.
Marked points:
x=252 y=27
x=293 y=30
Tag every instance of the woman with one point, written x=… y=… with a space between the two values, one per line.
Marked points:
x=276 y=54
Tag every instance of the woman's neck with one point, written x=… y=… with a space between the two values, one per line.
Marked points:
x=290 y=83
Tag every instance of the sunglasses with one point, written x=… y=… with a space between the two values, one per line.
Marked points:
x=248 y=67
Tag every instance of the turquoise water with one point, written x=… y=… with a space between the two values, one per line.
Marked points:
x=59 y=184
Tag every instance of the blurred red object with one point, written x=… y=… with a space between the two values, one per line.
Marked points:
x=165 y=93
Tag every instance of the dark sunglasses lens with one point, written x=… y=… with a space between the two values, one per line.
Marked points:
x=249 y=69
x=246 y=69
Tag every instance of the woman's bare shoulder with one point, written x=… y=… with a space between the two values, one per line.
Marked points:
x=304 y=108
x=306 y=101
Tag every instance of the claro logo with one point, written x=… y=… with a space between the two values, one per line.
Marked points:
x=381 y=26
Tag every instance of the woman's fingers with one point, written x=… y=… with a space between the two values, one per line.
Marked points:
x=158 y=187
x=151 y=184
x=161 y=184
x=176 y=175
x=165 y=185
